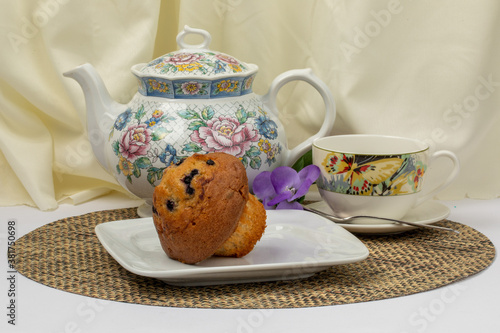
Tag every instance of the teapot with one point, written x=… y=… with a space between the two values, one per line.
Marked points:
x=193 y=100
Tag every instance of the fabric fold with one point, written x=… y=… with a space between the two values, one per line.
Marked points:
x=424 y=70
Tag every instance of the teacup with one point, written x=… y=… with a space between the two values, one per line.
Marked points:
x=376 y=175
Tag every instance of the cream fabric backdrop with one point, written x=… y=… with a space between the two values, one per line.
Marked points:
x=422 y=69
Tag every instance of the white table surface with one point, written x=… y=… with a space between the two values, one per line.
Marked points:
x=471 y=305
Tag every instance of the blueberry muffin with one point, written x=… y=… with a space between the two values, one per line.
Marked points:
x=251 y=226
x=197 y=205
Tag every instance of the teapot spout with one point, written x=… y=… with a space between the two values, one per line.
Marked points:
x=102 y=110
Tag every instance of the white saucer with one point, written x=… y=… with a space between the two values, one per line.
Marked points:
x=427 y=213
x=296 y=244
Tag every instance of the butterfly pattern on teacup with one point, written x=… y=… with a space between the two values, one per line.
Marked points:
x=381 y=175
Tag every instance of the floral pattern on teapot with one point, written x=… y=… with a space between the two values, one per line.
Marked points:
x=217 y=75
x=198 y=63
x=195 y=88
x=139 y=137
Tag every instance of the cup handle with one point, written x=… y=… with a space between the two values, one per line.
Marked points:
x=291 y=156
x=451 y=176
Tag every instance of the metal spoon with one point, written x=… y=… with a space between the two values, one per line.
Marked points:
x=349 y=219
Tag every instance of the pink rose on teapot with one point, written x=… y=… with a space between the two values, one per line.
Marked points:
x=227 y=135
x=135 y=142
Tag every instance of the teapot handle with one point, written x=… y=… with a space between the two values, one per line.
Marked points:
x=307 y=75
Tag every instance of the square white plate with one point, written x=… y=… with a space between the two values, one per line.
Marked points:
x=296 y=244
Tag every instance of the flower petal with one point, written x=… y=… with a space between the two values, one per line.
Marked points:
x=284 y=177
x=234 y=150
x=239 y=135
x=283 y=196
x=302 y=190
x=290 y=205
x=211 y=143
x=310 y=172
x=262 y=186
x=307 y=175
x=222 y=139
x=267 y=206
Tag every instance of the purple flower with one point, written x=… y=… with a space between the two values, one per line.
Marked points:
x=283 y=186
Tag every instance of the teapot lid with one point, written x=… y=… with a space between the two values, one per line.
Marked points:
x=195 y=71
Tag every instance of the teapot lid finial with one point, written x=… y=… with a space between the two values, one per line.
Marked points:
x=207 y=38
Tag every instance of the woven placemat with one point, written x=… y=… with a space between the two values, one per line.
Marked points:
x=67 y=255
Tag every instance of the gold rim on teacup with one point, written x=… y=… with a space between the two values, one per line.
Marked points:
x=422 y=146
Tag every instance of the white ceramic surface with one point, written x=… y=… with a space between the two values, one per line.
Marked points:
x=427 y=213
x=296 y=244
x=344 y=205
